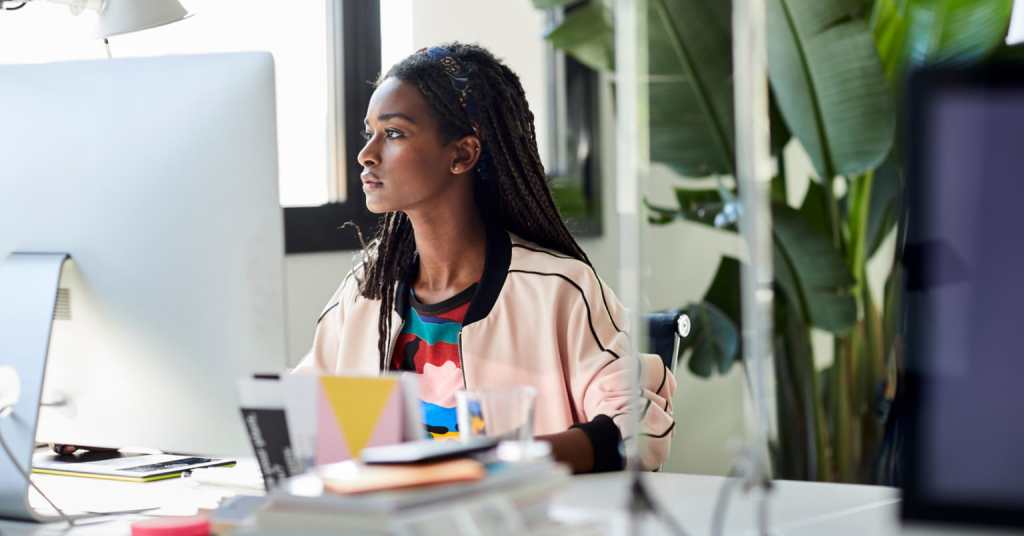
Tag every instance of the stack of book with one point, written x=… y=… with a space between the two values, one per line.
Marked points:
x=446 y=498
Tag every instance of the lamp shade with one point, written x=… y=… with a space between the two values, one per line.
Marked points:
x=124 y=16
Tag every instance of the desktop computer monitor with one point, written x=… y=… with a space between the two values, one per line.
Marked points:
x=964 y=260
x=158 y=176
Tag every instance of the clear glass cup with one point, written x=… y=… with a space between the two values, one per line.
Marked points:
x=504 y=413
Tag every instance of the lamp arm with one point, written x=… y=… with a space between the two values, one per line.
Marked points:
x=77 y=6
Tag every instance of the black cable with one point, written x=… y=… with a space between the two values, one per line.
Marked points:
x=15 y=8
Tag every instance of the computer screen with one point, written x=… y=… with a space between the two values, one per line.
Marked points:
x=965 y=290
x=158 y=176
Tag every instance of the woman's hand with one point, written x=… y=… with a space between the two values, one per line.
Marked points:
x=572 y=447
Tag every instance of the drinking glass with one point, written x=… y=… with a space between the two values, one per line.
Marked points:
x=505 y=413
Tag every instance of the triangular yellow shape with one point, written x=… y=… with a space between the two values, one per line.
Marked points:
x=357 y=404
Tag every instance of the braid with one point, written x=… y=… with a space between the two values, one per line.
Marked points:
x=510 y=186
x=392 y=255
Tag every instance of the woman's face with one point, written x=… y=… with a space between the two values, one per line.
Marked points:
x=406 y=163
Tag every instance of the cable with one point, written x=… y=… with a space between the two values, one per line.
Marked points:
x=4 y=413
x=15 y=8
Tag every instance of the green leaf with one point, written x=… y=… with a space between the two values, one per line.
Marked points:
x=549 y=4
x=715 y=333
x=569 y=196
x=911 y=32
x=586 y=34
x=892 y=320
x=724 y=291
x=814 y=209
x=883 y=211
x=829 y=84
x=660 y=215
x=1008 y=53
x=713 y=338
x=778 y=189
x=780 y=134
x=691 y=90
x=699 y=206
x=786 y=280
x=819 y=274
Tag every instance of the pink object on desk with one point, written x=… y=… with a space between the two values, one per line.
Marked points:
x=356 y=412
x=172 y=526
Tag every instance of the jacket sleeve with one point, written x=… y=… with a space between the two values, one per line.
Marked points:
x=322 y=357
x=605 y=375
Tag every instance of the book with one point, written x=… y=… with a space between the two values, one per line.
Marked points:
x=510 y=495
x=353 y=477
x=261 y=401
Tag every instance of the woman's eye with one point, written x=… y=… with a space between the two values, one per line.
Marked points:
x=392 y=133
x=367 y=135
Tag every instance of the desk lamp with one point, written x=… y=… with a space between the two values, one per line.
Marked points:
x=117 y=17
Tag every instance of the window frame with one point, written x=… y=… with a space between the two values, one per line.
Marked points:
x=354 y=48
x=566 y=72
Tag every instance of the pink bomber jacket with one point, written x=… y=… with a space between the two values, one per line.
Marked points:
x=538 y=318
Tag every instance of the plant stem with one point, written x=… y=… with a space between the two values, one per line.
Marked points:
x=820 y=423
x=841 y=409
x=858 y=236
x=840 y=365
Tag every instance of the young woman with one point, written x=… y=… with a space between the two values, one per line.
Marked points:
x=473 y=280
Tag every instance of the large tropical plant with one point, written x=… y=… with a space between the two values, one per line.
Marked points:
x=835 y=70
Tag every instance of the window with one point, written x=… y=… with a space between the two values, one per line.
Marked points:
x=319 y=75
x=395 y=31
x=574 y=111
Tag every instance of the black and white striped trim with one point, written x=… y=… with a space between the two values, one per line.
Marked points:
x=590 y=319
x=592 y=269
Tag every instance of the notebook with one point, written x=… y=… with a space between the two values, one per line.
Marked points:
x=124 y=466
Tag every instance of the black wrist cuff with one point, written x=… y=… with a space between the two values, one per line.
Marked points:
x=605 y=438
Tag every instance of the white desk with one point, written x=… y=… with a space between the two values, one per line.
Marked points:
x=798 y=508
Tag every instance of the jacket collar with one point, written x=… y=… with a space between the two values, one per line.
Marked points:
x=498 y=257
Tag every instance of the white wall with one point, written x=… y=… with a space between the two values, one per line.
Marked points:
x=682 y=258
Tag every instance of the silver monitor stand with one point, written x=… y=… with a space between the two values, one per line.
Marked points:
x=28 y=284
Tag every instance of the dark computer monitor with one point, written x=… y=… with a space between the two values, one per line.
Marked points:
x=964 y=391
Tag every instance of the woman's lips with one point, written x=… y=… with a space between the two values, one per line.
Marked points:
x=371 y=182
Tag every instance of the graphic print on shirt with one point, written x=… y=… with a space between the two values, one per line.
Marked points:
x=429 y=346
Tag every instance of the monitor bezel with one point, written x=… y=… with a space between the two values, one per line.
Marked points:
x=923 y=86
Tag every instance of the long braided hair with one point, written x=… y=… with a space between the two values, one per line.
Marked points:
x=471 y=92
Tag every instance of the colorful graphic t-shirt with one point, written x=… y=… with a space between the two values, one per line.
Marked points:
x=429 y=345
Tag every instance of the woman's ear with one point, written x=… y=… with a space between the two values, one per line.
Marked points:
x=467 y=154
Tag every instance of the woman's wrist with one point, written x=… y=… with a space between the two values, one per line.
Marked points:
x=573 y=448
x=589 y=447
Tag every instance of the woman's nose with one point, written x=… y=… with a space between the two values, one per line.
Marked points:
x=368 y=156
